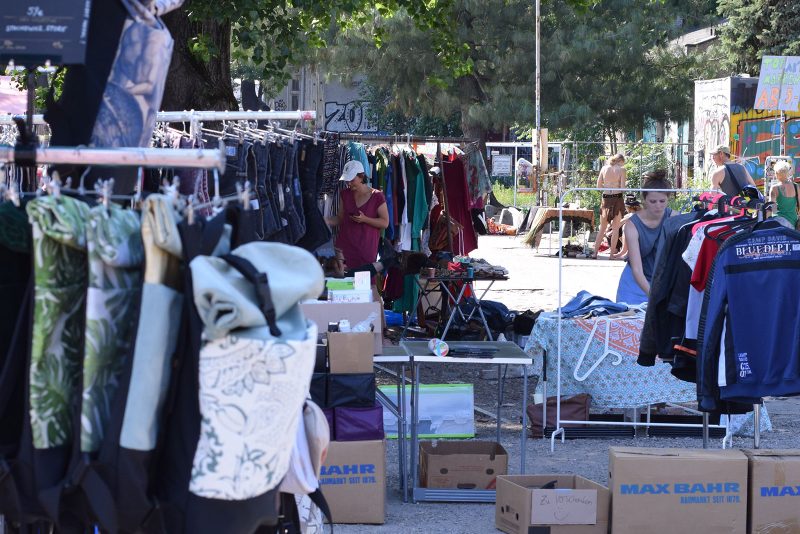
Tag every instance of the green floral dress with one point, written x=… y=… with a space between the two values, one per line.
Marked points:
x=60 y=278
x=116 y=257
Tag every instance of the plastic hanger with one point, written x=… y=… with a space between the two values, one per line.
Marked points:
x=606 y=351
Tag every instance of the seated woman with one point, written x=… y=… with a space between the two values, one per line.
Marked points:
x=632 y=205
x=643 y=237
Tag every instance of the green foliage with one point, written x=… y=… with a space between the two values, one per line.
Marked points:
x=590 y=82
x=641 y=158
x=20 y=79
x=757 y=28
x=270 y=35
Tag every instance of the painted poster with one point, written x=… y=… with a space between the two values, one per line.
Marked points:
x=712 y=121
x=790 y=86
x=769 y=82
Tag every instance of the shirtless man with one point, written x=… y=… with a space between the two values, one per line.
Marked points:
x=612 y=176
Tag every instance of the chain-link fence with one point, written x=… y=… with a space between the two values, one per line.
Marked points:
x=577 y=164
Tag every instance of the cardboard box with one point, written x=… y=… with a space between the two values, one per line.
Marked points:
x=677 y=490
x=350 y=352
x=576 y=505
x=461 y=464
x=445 y=411
x=349 y=295
x=773 y=501
x=322 y=313
x=353 y=481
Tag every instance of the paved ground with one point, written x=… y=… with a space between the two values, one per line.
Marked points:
x=534 y=285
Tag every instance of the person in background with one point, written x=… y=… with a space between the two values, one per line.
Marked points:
x=632 y=205
x=643 y=235
x=729 y=177
x=362 y=215
x=784 y=194
x=612 y=176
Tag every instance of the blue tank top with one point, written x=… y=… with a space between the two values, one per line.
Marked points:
x=649 y=240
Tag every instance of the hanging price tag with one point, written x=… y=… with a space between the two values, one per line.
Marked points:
x=35 y=31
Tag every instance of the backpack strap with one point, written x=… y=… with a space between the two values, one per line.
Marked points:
x=261 y=283
x=319 y=499
x=796 y=200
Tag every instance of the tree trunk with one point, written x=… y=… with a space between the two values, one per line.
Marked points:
x=192 y=83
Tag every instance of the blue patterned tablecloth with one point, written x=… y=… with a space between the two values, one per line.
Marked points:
x=607 y=370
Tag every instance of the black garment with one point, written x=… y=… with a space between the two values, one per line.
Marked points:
x=277 y=167
x=297 y=220
x=735 y=179
x=330 y=165
x=311 y=172
x=655 y=337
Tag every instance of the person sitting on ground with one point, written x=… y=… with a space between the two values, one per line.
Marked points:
x=643 y=237
x=612 y=176
x=362 y=216
x=632 y=205
x=729 y=177
x=784 y=194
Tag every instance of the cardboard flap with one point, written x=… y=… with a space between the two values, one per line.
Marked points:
x=563 y=507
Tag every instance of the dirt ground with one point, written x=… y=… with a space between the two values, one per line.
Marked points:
x=533 y=284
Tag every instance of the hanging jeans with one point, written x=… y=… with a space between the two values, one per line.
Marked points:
x=297 y=219
x=310 y=161
x=239 y=166
x=267 y=204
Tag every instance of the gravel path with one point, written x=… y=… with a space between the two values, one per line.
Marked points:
x=533 y=284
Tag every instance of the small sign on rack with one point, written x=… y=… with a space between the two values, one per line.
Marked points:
x=33 y=32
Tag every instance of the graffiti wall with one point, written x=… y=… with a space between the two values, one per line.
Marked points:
x=756 y=134
x=712 y=104
x=724 y=114
x=344 y=110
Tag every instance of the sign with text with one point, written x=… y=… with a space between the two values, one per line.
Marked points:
x=790 y=86
x=779 y=83
x=501 y=165
x=34 y=31
x=563 y=507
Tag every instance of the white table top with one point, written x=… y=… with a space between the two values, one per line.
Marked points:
x=508 y=353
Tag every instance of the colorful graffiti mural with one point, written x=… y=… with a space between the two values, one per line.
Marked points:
x=724 y=114
x=756 y=135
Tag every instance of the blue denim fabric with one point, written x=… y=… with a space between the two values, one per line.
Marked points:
x=585 y=303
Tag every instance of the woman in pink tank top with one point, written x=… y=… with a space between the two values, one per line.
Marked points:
x=362 y=216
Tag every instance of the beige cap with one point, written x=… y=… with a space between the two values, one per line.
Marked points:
x=724 y=149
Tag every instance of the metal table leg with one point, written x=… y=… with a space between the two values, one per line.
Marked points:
x=524 y=439
x=414 y=428
x=402 y=426
x=454 y=310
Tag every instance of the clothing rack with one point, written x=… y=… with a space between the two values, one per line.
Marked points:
x=376 y=138
x=210 y=116
x=131 y=157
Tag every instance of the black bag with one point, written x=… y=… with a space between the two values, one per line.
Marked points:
x=319 y=389
x=356 y=389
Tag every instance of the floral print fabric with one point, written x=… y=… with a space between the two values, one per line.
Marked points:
x=251 y=392
x=60 y=277
x=116 y=255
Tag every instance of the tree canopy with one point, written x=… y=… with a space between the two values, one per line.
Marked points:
x=756 y=28
x=606 y=65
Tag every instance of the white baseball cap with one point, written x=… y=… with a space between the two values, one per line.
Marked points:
x=351 y=169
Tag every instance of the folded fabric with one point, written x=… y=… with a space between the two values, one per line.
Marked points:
x=586 y=304
x=358 y=424
x=226 y=301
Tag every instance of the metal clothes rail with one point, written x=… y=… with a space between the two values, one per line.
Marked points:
x=209 y=116
x=376 y=138
x=129 y=157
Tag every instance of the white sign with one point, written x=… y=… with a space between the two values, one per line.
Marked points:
x=501 y=165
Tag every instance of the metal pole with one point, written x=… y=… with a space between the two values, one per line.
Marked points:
x=538 y=139
x=515 y=176
x=130 y=157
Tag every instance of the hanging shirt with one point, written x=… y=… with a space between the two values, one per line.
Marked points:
x=358 y=241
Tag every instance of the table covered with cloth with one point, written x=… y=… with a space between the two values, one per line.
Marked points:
x=544 y=215
x=598 y=357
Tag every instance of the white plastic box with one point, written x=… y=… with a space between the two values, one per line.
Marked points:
x=445 y=411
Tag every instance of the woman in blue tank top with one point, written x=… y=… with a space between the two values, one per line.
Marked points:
x=643 y=237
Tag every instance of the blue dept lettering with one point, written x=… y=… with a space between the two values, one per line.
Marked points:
x=766 y=250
